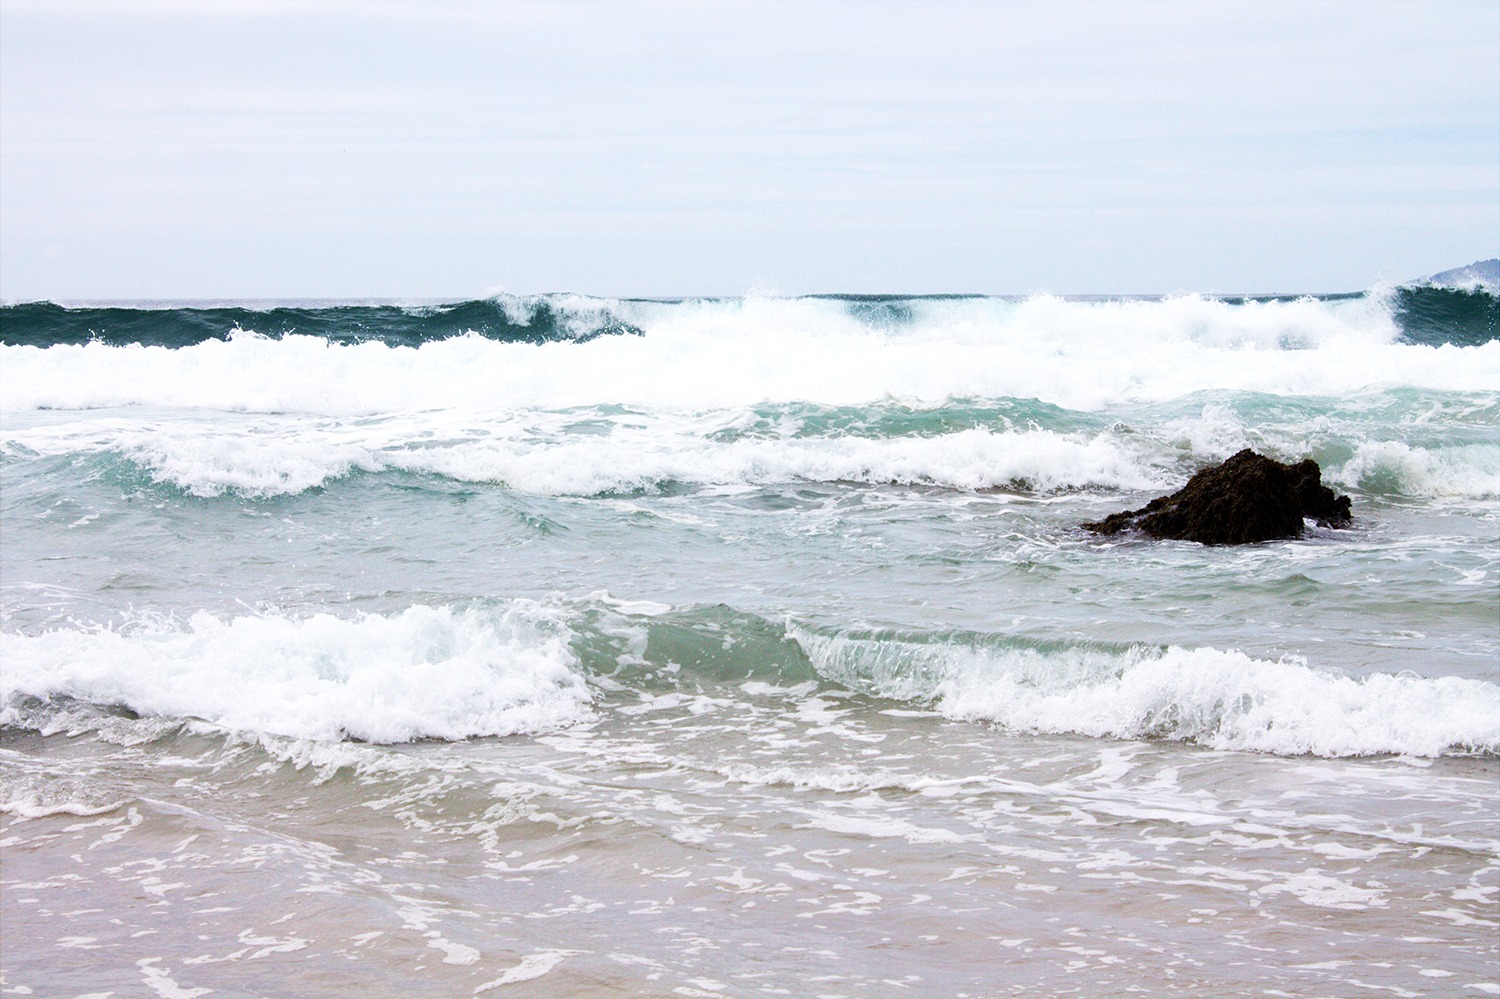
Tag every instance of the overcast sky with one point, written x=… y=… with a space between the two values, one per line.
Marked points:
x=441 y=148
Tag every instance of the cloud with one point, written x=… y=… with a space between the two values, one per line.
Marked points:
x=659 y=148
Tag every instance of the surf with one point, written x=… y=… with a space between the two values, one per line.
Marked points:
x=502 y=668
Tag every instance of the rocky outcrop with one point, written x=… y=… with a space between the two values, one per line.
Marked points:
x=1246 y=499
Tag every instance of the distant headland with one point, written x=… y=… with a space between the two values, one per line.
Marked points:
x=1485 y=272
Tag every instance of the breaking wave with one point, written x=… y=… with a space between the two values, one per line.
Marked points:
x=1463 y=314
x=526 y=667
x=1220 y=699
x=424 y=673
x=721 y=353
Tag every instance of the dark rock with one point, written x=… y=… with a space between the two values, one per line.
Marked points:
x=1246 y=499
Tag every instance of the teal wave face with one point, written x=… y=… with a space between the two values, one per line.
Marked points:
x=44 y=324
x=1424 y=314
x=699 y=646
x=1463 y=317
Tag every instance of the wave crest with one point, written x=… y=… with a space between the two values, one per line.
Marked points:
x=1220 y=699
x=701 y=355
x=525 y=667
x=425 y=673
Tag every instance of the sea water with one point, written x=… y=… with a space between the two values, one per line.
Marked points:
x=568 y=646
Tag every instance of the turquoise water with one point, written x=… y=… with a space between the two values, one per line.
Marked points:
x=742 y=646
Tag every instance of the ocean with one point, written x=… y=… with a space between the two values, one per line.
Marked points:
x=570 y=646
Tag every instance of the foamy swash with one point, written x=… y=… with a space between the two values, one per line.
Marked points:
x=532 y=667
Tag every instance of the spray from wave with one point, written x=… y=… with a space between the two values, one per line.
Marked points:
x=700 y=355
x=1220 y=699
x=424 y=673
x=1462 y=313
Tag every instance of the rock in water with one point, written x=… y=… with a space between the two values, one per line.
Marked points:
x=1246 y=499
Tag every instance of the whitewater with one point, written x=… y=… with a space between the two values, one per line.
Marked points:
x=562 y=645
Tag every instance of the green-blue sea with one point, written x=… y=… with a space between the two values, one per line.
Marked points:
x=568 y=646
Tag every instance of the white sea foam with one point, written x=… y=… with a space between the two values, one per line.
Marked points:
x=31 y=808
x=700 y=355
x=30 y=789
x=530 y=967
x=1222 y=699
x=1378 y=467
x=269 y=455
x=32 y=797
x=261 y=417
x=427 y=672
x=540 y=453
x=1398 y=468
x=209 y=464
x=969 y=459
x=458 y=673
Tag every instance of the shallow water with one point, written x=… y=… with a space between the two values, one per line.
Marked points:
x=750 y=844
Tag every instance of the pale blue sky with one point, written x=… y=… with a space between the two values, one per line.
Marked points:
x=451 y=149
